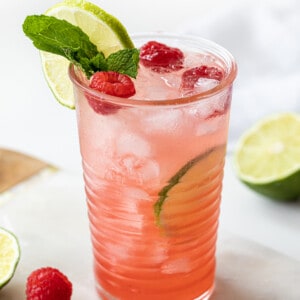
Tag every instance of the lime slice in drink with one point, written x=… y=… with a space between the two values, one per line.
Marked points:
x=191 y=199
x=104 y=30
x=9 y=256
x=267 y=158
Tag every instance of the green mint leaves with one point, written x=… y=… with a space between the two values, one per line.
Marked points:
x=62 y=38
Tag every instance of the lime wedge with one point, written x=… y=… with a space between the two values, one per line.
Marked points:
x=9 y=256
x=267 y=158
x=104 y=30
x=191 y=198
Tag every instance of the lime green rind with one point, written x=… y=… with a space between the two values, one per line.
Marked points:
x=7 y=279
x=287 y=189
x=266 y=179
x=114 y=24
x=63 y=102
x=109 y=19
x=69 y=104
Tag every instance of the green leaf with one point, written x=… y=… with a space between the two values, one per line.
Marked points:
x=124 y=61
x=63 y=38
x=59 y=37
x=99 y=62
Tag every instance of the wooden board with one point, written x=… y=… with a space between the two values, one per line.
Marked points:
x=16 y=167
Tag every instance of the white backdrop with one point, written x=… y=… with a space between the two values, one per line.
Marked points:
x=263 y=35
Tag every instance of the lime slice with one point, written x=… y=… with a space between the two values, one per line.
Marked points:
x=191 y=199
x=104 y=30
x=9 y=256
x=267 y=158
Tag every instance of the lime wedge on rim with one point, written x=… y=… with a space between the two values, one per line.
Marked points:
x=9 y=256
x=104 y=30
x=267 y=158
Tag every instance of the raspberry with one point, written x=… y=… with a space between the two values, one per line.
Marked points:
x=191 y=76
x=160 y=57
x=48 y=284
x=101 y=107
x=111 y=83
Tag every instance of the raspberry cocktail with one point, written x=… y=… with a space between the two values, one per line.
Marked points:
x=153 y=151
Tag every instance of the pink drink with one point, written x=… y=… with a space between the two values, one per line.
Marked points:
x=163 y=143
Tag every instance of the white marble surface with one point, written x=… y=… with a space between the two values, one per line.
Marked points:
x=48 y=214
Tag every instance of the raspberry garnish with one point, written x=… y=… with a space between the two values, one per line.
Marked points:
x=111 y=83
x=48 y=284
x=160 y=57
x=191 y=76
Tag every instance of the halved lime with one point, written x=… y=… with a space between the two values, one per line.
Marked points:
x=267 y=158
x=9 y=256
x=191 y=198
x=104 y=30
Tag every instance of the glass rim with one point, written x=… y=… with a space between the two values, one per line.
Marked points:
x=219 y=51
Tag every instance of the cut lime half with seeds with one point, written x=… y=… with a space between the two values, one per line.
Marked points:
x=104 y=30
x=192 y=196
x=9 y=256
x=267 y=158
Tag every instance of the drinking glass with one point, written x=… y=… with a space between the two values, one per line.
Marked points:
x=153 y=172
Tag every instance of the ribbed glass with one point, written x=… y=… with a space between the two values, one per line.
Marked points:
x=148 y=152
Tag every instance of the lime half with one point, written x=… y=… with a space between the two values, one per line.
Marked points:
x=267 y=158
x=104 y=30
x=9 y=256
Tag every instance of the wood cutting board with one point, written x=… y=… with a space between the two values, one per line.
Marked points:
x=16 y=167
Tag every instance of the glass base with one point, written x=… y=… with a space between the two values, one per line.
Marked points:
x=206 y=295
x=106 y=296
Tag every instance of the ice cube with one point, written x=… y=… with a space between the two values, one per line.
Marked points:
x=205 y=84
x=163 y=120
x=135 y=170
x=158 y=252
x=210 y=125
x=151 y=85
x=179 y=265
x=129 y=143
x=117 y=251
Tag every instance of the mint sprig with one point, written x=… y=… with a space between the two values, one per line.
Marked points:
x=63 y=38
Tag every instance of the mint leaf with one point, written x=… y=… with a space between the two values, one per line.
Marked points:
x=63 y=38
x=124 y=61
x=99 y=62
x=59 y=37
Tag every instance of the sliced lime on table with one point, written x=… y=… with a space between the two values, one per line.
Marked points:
x=267 y=158
x=104 y=30
x=9 y=256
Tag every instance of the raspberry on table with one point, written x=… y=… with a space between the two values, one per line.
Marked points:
x=48 y=284
x=191 y=76
x=110 y=83
x=160 y=57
